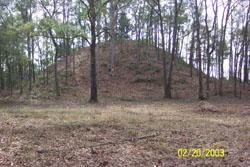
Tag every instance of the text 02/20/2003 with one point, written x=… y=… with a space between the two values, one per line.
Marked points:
x=201 y=153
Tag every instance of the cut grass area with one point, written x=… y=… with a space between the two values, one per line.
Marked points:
x=61 y=136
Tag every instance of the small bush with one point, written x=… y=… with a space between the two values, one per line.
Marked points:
x=157 y=69
x=183 y=81
x=70 y=74
x=37 y=84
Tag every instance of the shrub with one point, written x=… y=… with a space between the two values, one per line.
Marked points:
x=183 y=81
x=157 y=69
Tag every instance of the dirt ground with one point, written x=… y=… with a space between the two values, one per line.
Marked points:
x=118 y=133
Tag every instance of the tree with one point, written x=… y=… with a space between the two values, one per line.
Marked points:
x=113 y=13
x=25 y=8
x=123 y=27
x=246 y=42
x=222 y=43
x=13 y=62
x=157 y=3
x=208 y=34
x=177 y=9
x=93 y=9
x=197 y=17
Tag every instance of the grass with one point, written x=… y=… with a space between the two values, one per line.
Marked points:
x=37 y=136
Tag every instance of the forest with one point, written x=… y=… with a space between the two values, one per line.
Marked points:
x=124 y=83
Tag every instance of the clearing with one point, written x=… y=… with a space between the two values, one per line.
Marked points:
x=118 y=133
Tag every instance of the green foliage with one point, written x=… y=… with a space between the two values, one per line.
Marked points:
x=37 y=84
x=123 y=26
x=157 y=69
x=61 y=30
x=147 y=67
x=183 y=81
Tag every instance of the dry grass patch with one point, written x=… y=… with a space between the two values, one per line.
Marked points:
x=62 y=136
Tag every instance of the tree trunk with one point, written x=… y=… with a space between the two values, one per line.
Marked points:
x=191 y=53
x=199 y=50
x=155 y=32
x=236 y=58
x=56 y=76
x=246 y=47
x=21 y=78
x=163 y=50
x=222 y=44
x=113 y=37
x=73 y=58
x=168 y=93
x=1 y=75
x=240 y=72
x=231 y=52
x=10 y=82
x=33 y=58
x=55 y=64
x=93 y=96
x=208 y=52
x=30 y=64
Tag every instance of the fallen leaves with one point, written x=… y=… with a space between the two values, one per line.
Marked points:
x=122 y=135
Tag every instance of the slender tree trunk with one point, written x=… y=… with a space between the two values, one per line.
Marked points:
x=33 y=58
x=64 y=49
x=231 y=51
x=236 y=57
x=222 y=44
x=21 y=78
x=113 y=36
x=246 y=47
x=139 y=38
x=158 y=42
x=156 y=37
x=182 y=42
x=10 y=76
x=56 y=76
x=66 y=64
x=55 y=64
x=240 y=66
x=240 y=72
x=30 y=49
x=191 y=54
x=105 y=33
x=163 y=50
x=43 y=68
x=93 y=96
x=169 y=38
x=1 y=75
x=73 y=58
x=30 y=62
x=98 y=29
x=217 y=72
x=199 y=50
x=47 y=68
x=208 y=52
x=168 y=89
x=235 y=82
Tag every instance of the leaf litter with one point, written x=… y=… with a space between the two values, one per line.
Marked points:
x=116 y=135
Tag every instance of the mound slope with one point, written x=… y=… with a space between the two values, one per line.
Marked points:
x=138 y=73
